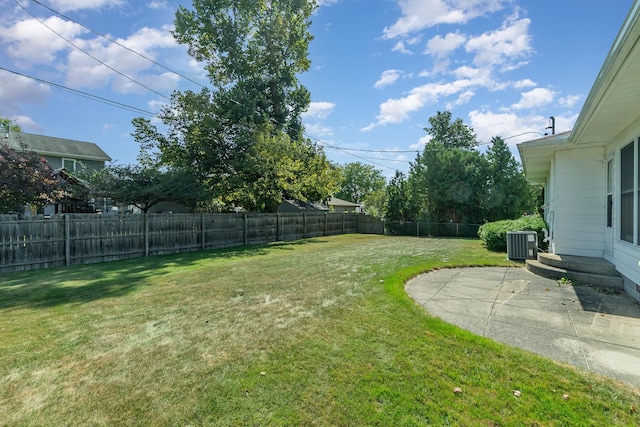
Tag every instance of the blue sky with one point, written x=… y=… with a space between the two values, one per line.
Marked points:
x=379 y=69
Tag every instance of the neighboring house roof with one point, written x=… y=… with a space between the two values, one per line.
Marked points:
x=610 y=108
x=58 y=147
x=334 y=201
x=295 y=205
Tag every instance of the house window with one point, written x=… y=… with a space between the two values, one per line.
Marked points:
x=628 y=190
x=610 y=193
x=69 y=164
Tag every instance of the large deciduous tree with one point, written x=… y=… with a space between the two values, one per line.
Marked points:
x=26 y=179
x=252 y=51
x=358 y=181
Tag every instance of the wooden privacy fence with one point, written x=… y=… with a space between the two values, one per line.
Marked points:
x=431 y=229
x=68 y=239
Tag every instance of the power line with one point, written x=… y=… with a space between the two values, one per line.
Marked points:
x=84 y=94
x=345 y=150
x=90 y=55
x=119 y=44
x=348 y=151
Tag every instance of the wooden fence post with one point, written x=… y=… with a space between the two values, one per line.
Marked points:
x=326 y=224
x=304 y=225
x=245 y=226
x=146 y=234
x=67 y=240
x=343 y=215
x=277 y=226
x=202 y=232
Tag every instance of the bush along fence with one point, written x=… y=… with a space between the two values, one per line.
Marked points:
x=43 y=242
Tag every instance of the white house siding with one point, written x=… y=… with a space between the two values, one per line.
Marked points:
x=550 y=204
x=579 y=193
x=625 y=256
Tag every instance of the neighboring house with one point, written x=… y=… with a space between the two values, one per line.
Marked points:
x=592 y=174
x=341 y=206
x=69 y=154
x=296 y=206
x=66 y=157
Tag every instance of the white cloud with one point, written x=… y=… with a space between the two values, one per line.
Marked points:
x=514 y=128
x=441 y=47
x=421 y=143
x=506 y=46
x=420 y=14
x=158 y=4
x=537 y=97
x=399 y=47
x=157 y=105
x=319 y=110
x=27 y=123
x=521 y=84
x=318 y=131
x=570 y=101
x=30 y=42
x=16 y=90
x=84 y=71
x=488 y=124
x=70 y=5
x=387 y=78
x=481 y=76
x=463 y=98
x=398 y=110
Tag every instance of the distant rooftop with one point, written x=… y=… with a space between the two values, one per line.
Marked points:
x=58 y=147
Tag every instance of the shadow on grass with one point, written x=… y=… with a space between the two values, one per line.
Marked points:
x=90 y=282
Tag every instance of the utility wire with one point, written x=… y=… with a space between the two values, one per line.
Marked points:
x=120 y=44
x=348 y=151
x=88 y=54
x=84 y=94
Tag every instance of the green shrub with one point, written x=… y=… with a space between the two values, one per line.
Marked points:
x=494 y=234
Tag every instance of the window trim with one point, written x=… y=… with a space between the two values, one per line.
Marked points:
x=609 y=192
x=629 y=193
x=74 y=161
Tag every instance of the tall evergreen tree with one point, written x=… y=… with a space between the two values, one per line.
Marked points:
x=398 y=204
x=509 y=195
x=447 y=180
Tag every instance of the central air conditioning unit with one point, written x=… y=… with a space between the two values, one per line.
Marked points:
x=522 y=245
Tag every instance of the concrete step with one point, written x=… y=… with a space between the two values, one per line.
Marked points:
x=579 y=277
x=579 y=264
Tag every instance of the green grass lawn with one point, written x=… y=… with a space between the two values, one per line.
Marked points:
x=313 y=332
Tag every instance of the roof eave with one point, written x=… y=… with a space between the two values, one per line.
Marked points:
x=627 y=36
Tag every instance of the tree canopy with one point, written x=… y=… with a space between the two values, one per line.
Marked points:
x=252 y=52
x=357 y=181
x=451 y=181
